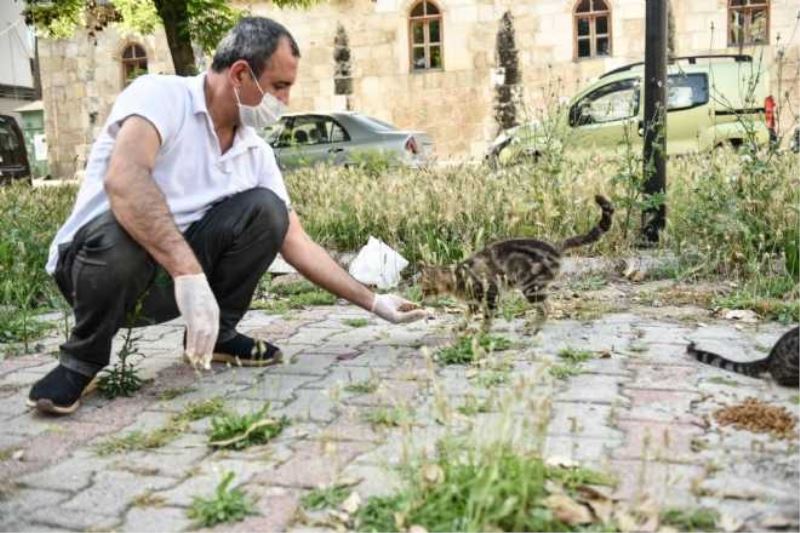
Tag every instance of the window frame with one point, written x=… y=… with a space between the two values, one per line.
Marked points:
x=707 y=86
x=289 y=130
x=135 y=60
x=592 y=15
x=426 y=45
x=749 y=7
x=574 y=111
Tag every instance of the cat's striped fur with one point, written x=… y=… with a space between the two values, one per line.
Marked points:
x=781 y=363
x=527 y=264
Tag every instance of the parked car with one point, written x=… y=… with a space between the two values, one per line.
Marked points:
x=343 y=138
x=13 y=155
x=711 y=101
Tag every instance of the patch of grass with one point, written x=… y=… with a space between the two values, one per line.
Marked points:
x=229 y=430
x=492 y=378
x=470 y=348
x=564 y=371
x=368 y=386
x=171 y=394
x=16 y=327
x=7 y=453
x=325 y=497
x=513 y=305
x=473 y=406
x=157 y=438
x=772 y=298
x=589 y=283
x=388 y=416
x=574 y=356
x=356 y=322
x=795 y=399
x=471 y=489
x=702 y=519
x=226 y=505
x=148 y=499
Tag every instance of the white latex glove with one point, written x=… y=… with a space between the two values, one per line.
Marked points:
x=387 y=306
x=199 y=309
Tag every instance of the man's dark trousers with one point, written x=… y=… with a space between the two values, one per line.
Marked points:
x=111 y=281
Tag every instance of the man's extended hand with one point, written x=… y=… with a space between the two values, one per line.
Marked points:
x=200 y=311
x=396 y=309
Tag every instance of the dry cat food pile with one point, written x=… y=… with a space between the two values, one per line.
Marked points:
x=759 y=417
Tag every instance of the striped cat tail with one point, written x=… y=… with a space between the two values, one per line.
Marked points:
x=753 y=368
x=603 y=225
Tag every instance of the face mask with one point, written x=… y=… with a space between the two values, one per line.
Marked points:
x=262 y=115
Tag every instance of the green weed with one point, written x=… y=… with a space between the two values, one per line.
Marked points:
x=472 y=406
x=367 y=386
x=226 y=505
x=695 y=520
x=564 y=371
x=471 y=489
x=574 y=356
x=325 y=497
x=157 y=438
x=229 y=430
x=356 y=322
x=389 y=416
x=470 y=348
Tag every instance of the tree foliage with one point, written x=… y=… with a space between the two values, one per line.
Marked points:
x=202 y=22
x=507 y=93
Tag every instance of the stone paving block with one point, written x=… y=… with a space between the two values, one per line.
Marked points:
x=664 y=441
x=389 y=392
x=578 y=449
x=156 y=518
x=29 y=424
x=276 y=508
x=375 y=480
x=383 y=357
x=348 y=336
x=72 y=519
x=112 y=491
x=182 y=494
x=313 y=336
x=403 y=444
x=150 y=421
x=71 y=474
x=160 y=462
x=304 y=363
x=341 y=377
x=594 y=388
x=314 y=464
x=582 y=420
x=754 y=514
x=400 y=337
x=648 y=374
x=276 y=387
x=669 y=485
x=18 y=506
x=349 y=426
x=313 y=405
x=662 y=405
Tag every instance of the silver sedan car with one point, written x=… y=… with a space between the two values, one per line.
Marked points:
x=344 y=138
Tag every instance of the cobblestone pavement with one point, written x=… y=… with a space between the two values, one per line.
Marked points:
x=640 y=410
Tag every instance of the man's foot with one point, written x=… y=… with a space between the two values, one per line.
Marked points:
x=242 y=350
x=59 y=392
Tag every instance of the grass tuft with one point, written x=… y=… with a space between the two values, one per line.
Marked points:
x=226 y=505
x=229 y=430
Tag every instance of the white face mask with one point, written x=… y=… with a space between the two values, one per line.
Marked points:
x=266 y=113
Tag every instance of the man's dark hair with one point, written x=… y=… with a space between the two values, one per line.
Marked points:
x=253 y=39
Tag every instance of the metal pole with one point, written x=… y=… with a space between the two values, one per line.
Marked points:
x=655 y=119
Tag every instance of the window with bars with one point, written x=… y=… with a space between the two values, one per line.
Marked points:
x=134 y=63
x=425 y=36
x=592 y=29
x=748 y=22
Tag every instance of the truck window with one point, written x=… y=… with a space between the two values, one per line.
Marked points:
x=685 y=91
x=616 y=101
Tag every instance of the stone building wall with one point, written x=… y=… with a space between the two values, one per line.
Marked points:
x=454 y=105
x=80 y=81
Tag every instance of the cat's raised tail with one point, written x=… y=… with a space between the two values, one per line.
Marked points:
x=596 y=232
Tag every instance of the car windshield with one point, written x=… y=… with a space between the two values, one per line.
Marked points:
x=376 y=124
x=273 y=132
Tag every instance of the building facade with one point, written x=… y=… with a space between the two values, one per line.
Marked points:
x=432 y=64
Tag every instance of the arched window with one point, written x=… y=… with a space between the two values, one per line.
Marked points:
x=425 y=36
x=592 y=29
x=134 y=63
x=748 y=22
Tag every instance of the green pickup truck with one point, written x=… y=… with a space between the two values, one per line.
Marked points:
x=711 y=101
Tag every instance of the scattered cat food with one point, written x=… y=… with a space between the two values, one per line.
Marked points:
x=758 y=417
x=406 y=307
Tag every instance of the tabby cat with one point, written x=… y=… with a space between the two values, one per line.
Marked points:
x=527 y=264
x=781 y=363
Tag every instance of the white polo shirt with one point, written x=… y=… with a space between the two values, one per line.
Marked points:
x=190 y=170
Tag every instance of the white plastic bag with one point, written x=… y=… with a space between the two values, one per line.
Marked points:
x=378 y=264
